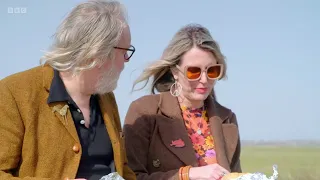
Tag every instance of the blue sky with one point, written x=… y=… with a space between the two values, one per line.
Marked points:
x=272 y=49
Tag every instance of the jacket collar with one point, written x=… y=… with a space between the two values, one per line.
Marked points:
x=169 y=106
x=58 y=91
x=48 y=75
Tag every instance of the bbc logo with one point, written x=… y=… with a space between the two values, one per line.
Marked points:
x=17 y=10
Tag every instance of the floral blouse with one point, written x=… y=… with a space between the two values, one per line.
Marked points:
x=198 y=128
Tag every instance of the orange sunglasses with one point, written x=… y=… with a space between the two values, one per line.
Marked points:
x=194 y=73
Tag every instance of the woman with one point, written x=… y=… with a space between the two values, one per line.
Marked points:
x=183 y=132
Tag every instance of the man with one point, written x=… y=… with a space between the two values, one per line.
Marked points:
x=60 y=120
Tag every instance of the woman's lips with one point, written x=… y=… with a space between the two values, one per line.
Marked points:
x=201 y=90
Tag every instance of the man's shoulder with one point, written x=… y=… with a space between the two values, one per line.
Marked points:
x=24 y=78
x=109 y=97
x=25 y=87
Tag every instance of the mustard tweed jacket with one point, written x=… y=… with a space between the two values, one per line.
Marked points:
x=38 y=141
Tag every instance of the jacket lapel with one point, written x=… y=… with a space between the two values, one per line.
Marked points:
x=217 y=133
x=172 y=129
x=62 y=112
x=175 y=131
x=225 y=135
x=59 y=109
x=231 y=136
x=107 y=112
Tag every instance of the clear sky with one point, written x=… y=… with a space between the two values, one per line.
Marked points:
x=272 y=49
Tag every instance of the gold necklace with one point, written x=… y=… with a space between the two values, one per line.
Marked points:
x=199 y=131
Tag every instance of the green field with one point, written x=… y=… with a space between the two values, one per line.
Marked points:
x=294 y=163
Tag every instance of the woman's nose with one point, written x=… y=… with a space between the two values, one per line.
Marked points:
x=203 y=78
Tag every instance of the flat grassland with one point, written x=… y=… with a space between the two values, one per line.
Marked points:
x=294 y=163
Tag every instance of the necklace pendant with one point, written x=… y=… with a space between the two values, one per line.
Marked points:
x=199 y=131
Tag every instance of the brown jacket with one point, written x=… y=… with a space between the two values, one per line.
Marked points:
x=154 y=121
x=38 y=143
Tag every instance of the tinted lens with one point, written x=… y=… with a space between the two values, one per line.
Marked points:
x=128 y=54
x=193 y=72
x=214 y=71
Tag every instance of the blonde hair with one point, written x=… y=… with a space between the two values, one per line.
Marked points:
x=189 y=36
x=90 y=31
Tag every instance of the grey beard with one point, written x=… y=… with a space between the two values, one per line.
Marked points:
x=108 y=82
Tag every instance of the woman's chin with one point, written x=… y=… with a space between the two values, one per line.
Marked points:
x=199 y=96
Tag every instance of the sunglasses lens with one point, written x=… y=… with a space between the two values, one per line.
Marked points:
x=193 y=73
x=214 y=72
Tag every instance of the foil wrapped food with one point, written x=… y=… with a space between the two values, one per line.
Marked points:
x=247 y=176
x=112 y=176
x=259 y=176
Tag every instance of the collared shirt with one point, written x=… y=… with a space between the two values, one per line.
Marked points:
x=97 y=153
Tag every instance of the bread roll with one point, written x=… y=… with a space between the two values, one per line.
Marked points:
x=232 y=176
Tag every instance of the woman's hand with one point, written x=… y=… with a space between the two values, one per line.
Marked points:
x=212 y=172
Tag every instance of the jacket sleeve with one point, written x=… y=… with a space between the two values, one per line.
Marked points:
x=235 y=165
x=128 y=174
x=138 y=128
x=11 y=135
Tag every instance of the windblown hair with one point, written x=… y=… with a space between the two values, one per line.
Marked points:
x=189 y=36
x=87 y=36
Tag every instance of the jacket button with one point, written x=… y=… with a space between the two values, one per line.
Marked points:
x=76 y=148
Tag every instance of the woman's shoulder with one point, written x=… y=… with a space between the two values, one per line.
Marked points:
x=151 y=98
x=147 y=103
x=224 y=112
x=221 y=107
x=142 y=108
